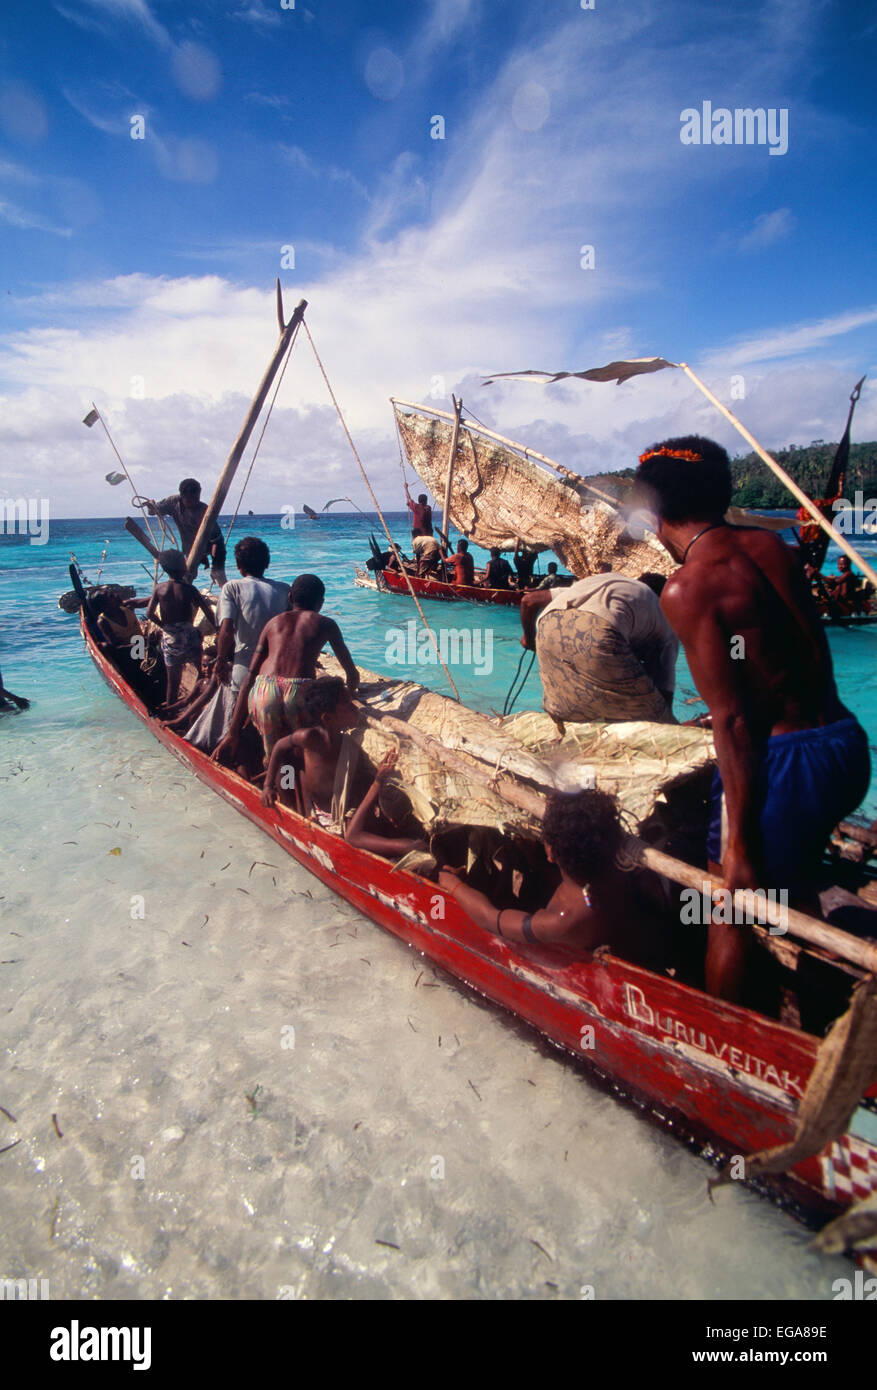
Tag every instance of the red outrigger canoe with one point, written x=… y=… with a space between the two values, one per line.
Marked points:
x=392 y=582
x=714 y=1073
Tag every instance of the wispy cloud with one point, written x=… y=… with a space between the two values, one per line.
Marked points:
x=298 y=159
x=768 y=228
x=256 y=13
x=779 y=343
x=466 y=259
x=114 y=124
x=105 y=14
x=278 y=102
x=446 y=20
x=16 y=173
x=29 y=221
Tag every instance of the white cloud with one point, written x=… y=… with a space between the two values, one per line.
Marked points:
x=29 y=221
x=767 y=229
x=446 y=20
x=789 y=341
x=199 y=345
x=90 y=13
x=463 y=267
x=108 y=125
x=256 y=14
x=301 y=162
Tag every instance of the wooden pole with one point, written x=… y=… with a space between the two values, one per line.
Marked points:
x=452 y=457
x=781 y=473
x=237 y=449
x=140 y=535
x=798 y=924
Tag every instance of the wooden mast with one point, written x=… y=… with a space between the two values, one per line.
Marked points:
x=458 y=410
x=237 y=449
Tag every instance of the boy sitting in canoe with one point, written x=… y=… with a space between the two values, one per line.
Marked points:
x=177 y=599
x=284 y=661
x=381 y=814
x=326 y=711
x=595 y=903
x=180 y=715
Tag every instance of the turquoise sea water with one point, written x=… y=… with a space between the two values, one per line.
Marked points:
x=41 y=654
x=157 y=947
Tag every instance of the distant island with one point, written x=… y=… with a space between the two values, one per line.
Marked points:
x=756 y=487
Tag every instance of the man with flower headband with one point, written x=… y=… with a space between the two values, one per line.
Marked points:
x=792 y=760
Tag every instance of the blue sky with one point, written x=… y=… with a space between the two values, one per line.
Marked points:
x=139 y=273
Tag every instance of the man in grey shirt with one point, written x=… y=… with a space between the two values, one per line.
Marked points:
x=187 y=511
x=606 y=652
x=245 y=606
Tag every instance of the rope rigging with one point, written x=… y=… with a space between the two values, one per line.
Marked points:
x=390 y=540
x=262 y=435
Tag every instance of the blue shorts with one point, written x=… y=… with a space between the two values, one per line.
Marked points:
x=807 y=782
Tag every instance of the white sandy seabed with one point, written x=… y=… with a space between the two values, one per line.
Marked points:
x=203 y=1158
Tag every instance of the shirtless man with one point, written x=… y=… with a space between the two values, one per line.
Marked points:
x=596 y=903
x=177 y=599
x=285 y=658
x=463 y=564
x=792 y=760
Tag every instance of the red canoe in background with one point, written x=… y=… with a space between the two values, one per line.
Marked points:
x=392 y=582
x=712 y=1072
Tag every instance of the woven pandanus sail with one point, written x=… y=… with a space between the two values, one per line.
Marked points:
x=501 y=495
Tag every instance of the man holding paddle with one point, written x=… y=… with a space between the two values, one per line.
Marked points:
x=792 y=760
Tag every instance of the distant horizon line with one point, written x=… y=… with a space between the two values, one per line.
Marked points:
x=346 y=511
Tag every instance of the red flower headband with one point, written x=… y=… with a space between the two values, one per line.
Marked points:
x=687 y=454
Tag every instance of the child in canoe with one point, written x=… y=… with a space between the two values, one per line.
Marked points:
x=326 y=711
x=177 y=601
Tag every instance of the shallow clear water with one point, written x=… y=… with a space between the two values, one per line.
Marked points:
x=404 y=1116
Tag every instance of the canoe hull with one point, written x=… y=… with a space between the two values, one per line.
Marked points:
x=391 y=582
x=710 y=1071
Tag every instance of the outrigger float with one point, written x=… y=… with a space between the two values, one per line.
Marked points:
x=801 y=1111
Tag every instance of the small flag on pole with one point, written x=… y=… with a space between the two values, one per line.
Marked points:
x=91 y=418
